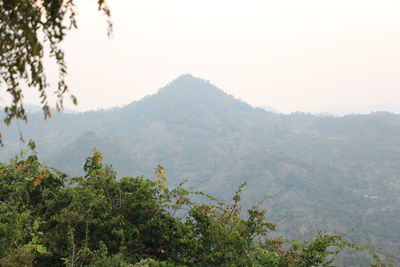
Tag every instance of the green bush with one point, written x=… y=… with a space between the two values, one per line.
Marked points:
x=48 y=219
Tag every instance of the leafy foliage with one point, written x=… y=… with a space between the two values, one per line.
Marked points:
x=98 y=220
x=28 y=31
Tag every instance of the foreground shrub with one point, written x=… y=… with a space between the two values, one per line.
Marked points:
x=48 y=219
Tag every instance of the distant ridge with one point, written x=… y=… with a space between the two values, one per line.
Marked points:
x=388 y=107
x=306 y=167
x=269 y=109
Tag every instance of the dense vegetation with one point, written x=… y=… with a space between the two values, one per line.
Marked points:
x=313 y=172
x=50 y=219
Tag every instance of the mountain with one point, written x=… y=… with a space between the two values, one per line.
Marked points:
x=269 y=108
x=312 y=172
x=388 y=107
x=32 y=108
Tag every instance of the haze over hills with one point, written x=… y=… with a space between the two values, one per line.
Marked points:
x=389 y=107
x=313 y=172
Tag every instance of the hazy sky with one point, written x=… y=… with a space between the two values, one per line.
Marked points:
x=308 y=55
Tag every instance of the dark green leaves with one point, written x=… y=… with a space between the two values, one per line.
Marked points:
x=47 y=220
x=29 y=32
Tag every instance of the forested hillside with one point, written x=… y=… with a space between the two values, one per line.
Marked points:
x=50 y=219
x=313 y=172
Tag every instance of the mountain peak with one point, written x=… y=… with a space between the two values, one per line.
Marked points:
x=188 y=96
x=189 y=86
x=186 y=76
x=189 y=81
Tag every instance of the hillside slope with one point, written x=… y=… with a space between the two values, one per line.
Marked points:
x=337 y=173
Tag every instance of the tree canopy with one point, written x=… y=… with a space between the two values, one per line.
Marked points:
x=50 y=219
x=30 y=31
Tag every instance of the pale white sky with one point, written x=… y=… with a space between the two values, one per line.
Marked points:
x=308 y=55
